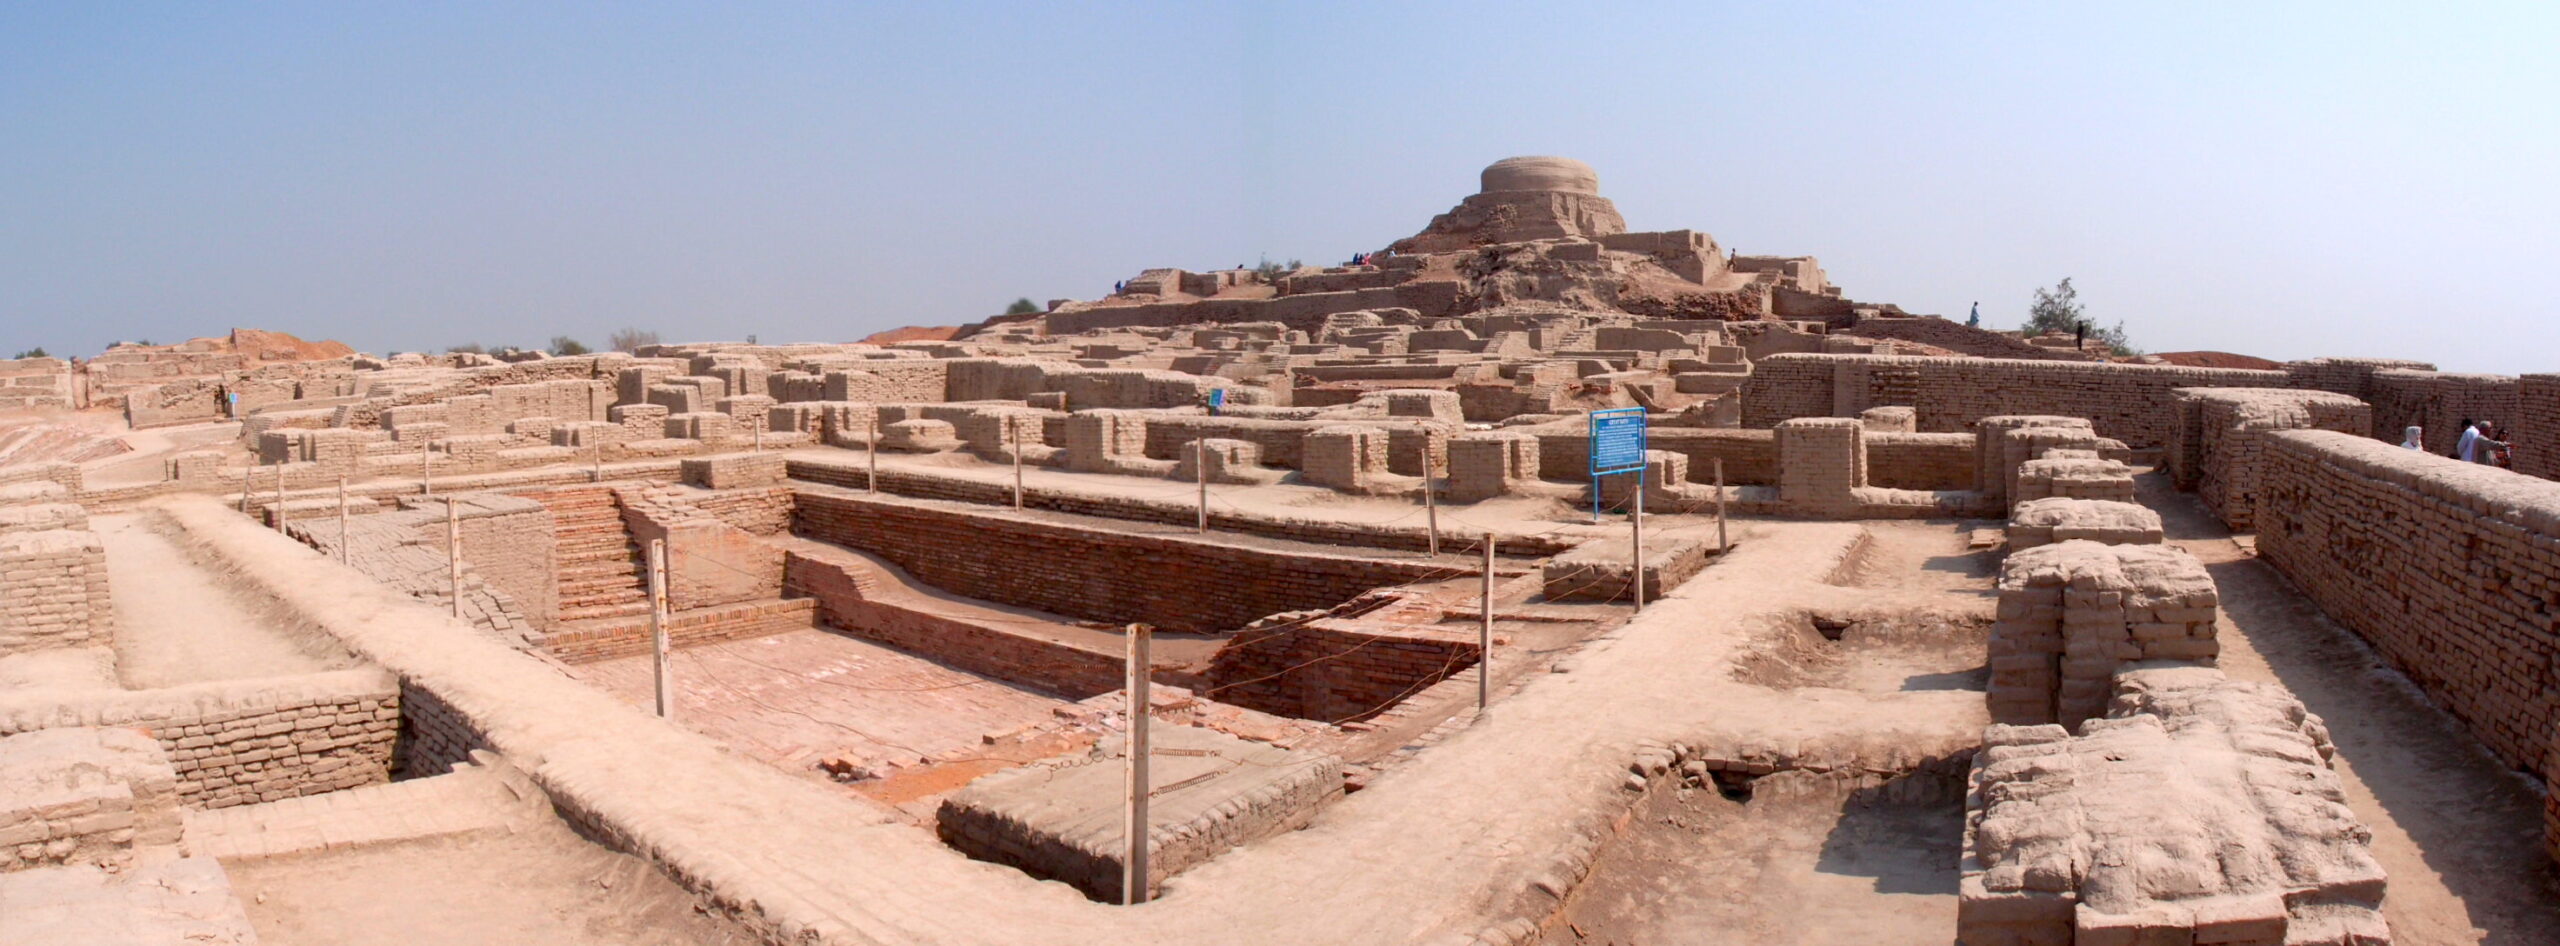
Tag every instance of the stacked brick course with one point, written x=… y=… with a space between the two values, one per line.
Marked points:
x=1335 y=671
x=2058 y=519
x=2537 y=426
x=1176 y=583
x=2074 y=613
x=2126 y=402
x=84 y=796
x=2214 y=448
x=238 y=742
x=53 y=590
x=2198 y=810
x=2448 y=569
x=2439 y=401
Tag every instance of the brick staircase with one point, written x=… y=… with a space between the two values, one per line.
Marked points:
x=599 y=565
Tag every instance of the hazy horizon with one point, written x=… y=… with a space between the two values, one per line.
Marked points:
x=2281 y=180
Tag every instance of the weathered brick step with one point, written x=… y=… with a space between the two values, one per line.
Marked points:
x=624 y=609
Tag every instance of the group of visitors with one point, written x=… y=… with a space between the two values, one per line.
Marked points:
x=2479 y=443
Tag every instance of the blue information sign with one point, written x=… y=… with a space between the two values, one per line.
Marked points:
x=1617 y=440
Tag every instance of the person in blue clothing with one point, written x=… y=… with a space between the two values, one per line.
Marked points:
x=1974 y=320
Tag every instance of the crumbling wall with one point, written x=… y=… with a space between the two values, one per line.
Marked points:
x=2448 y=569
x=2073 y=613
x=239 y=742
x=1333 y=672
x=2198 y=810
x=2537 y=426
x=78 y=795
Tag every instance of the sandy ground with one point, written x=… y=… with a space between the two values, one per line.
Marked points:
x=2460 y=836
x=1820 y=866
x=541 y=885
x=177 y=622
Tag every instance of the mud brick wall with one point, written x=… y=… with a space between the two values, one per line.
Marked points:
x=2438 y=402
x=239 y=742
x=2352 y=377
x=2215 y=445
x=891 y=380
x=2094 y=839
x=2537 y=426
x=65 y=474
x=849 y=474
x=630 y=636
x=1941 y=461
x=1334 y=672
x=1750 y=456
x=2131 y=403
x=1175 y=583
x=433 y=736
x=843 y=602
x=2073 y=613
x=36 y=382
x=508 y=541
x=84 y=796
x=53 y=590
x=733 y=470
x=709 y=562
x=2450 y=570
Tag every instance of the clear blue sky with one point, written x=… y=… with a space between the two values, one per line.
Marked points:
x=2278 y=179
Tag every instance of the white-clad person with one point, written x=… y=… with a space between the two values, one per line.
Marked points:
x=2413 y=438
x=2466 y=447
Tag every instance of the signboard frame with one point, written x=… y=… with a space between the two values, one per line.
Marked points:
x=1617 y=445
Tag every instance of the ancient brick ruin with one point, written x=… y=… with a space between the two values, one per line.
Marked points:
x=1947 y=635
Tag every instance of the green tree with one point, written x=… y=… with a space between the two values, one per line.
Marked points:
x=1022 y=306
x=630 y=339
x=36 y=352
x=2058 y=310
x=564 y=345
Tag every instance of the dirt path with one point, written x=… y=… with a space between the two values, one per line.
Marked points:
x=2458 y=833
x=179 y=623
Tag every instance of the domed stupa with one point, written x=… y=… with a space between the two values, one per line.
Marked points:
x=1525 y=198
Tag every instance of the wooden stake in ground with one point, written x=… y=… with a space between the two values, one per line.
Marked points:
x=1133 y=863
x=426 y=470
x=758 y=445
x=453 y=554
x=248 y=481
x=1431 y=509
x=658 y=628
x=598 y=475
x=1013 y=430
x=1635 y=571
x=342 y=518
x=279 y=497
x=1722 y=546
x=871 y=451
x=1200 y=465
x=1484 y=633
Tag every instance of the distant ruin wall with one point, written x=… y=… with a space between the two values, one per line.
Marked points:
x=1935 y=461
x=2537 y=432
x=2440 y=402
x=2448 y=569
x=2131 y=403
x=1172 y=583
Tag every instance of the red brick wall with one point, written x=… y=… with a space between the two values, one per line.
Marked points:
x=1172 y=582
x=630 y=637
x=2450 y=570
x=1333 y=674
x=1030 y=661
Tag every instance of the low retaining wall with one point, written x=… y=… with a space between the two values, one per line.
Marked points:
x=2448 y=569
x=239 y=742
x=1180 y=584
x=629 y=638
x=844 y=603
